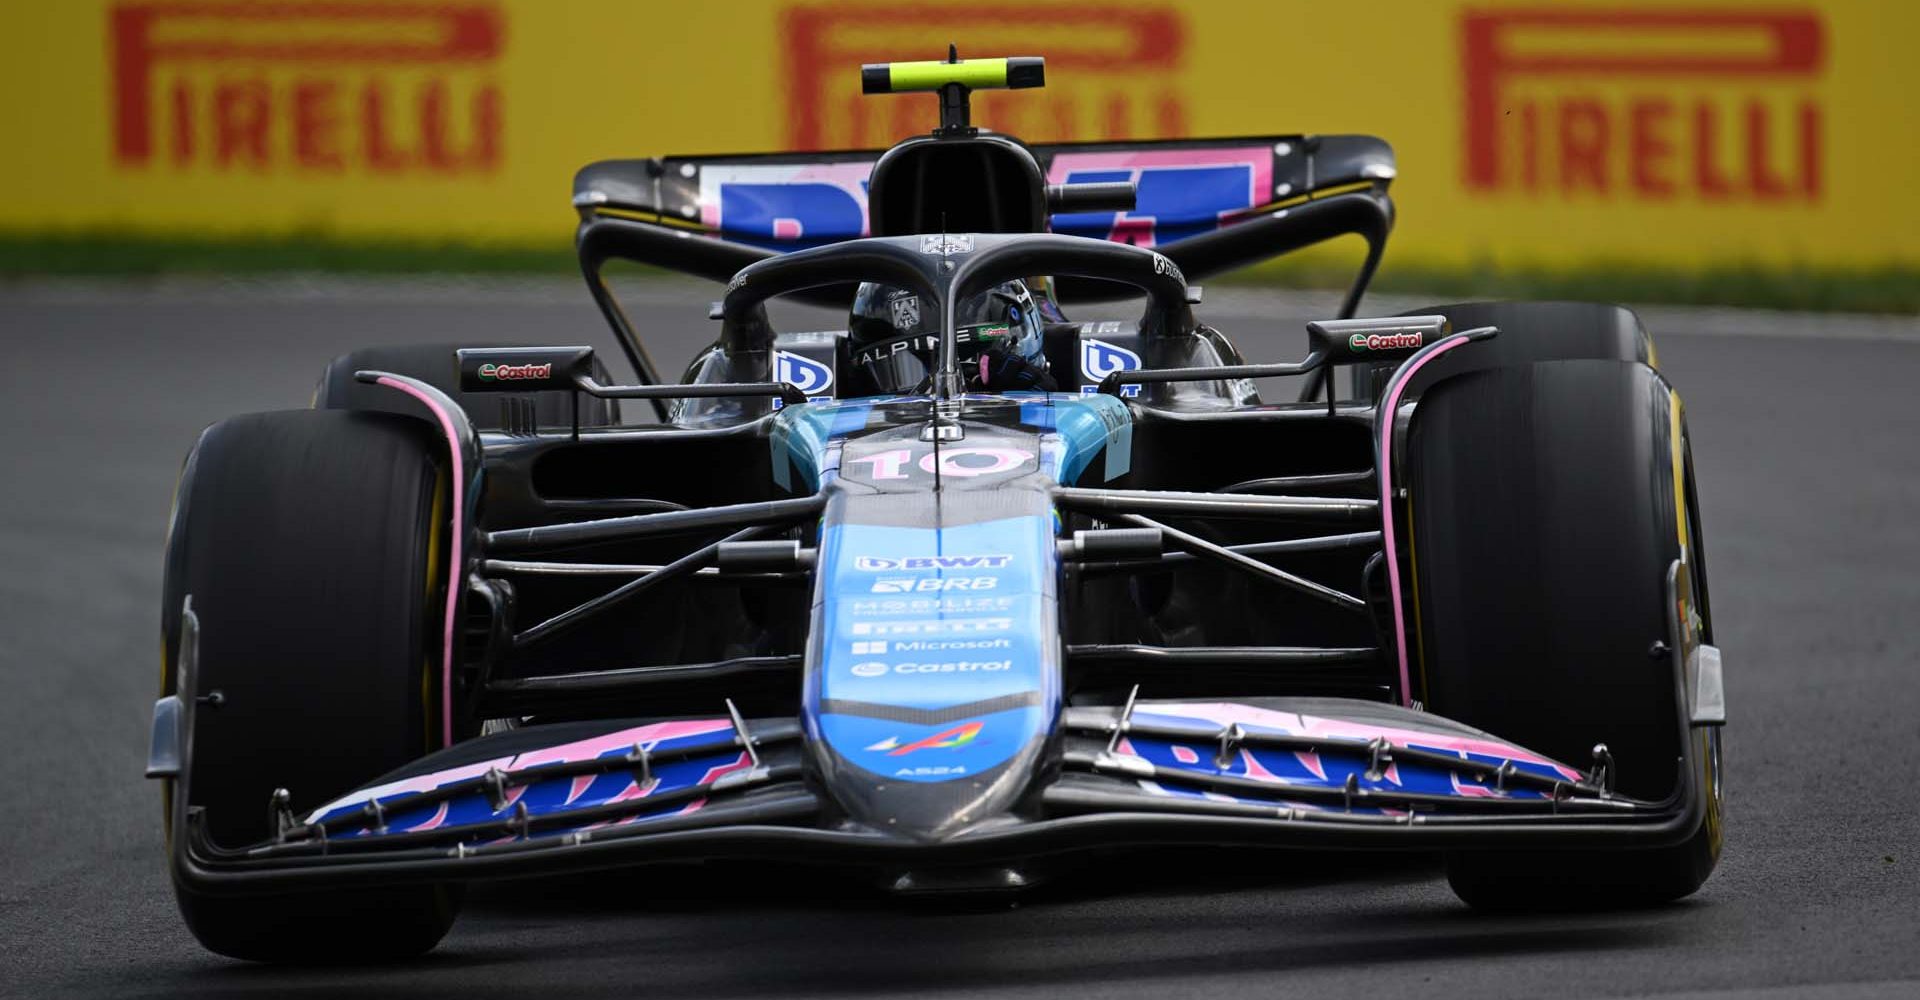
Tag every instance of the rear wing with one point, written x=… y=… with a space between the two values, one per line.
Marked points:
x=1211 y=205
x=1186 y=190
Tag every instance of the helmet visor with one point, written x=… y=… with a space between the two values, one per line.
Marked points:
x=904 y=365
x=900 y=366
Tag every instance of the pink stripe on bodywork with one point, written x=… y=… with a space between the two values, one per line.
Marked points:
x=1226 y=714
x=649 y=736
x=1387 y=411
x=439 y=817
x=457 y=534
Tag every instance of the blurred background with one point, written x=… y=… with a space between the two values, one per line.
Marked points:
x=203 y=201
x=1720 y=151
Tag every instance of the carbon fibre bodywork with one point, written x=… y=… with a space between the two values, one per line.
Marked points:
x=953 y=627
x=939 y=632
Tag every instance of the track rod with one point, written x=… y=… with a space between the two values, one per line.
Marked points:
x=612 y=529
x=1205 y=549
x=1250 y=505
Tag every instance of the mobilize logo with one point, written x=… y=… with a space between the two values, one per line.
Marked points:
x=1384 y=341
x=318 y=87
x=879 y=563
x=932 y=585
x=514 y=373
x=874 y=668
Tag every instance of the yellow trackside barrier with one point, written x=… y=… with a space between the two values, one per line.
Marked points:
x=1529 y=132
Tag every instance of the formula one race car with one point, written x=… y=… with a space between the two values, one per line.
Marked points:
x=958 y=593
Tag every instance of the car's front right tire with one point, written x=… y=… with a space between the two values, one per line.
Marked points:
x=313 y=545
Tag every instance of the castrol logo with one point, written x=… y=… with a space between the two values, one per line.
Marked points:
x=1383 y=341
x=515 y=373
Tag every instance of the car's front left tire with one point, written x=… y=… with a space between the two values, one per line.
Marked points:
x=1547 y=502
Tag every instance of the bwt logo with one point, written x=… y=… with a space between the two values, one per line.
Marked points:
x=1111 y=70
x=1713 y=104
x=873 y=563
x=803 y=373
x=313 y=86
x=1099 y=359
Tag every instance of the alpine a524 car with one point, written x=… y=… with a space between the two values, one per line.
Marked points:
x=955 y=594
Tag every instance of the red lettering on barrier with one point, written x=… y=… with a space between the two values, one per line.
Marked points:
x=240 y=123
x=182 y=124
x=1650 y=149
x=382 y=155
x=316 y=124
x=1583 y=144
x=1123 y=85
x=1712 y=183
x=261 y=122
x=1505 y=48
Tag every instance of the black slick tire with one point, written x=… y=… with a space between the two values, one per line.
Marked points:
x=310 y=542
x=1546 y=507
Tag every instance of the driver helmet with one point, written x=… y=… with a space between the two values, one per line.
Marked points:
x=894 y=338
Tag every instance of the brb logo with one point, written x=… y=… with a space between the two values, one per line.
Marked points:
x=1113 y=69
x=1709 y=104
x=319 y=87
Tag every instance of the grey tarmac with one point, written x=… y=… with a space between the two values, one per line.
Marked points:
x=1807 y=438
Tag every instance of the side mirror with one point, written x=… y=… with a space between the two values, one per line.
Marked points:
x=1388 y=338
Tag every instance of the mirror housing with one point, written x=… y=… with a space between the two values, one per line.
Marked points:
x=523 y=369
x=1386 y=338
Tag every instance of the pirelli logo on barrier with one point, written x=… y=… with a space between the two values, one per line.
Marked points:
x=1113 y=70
x=1645 y=104
x=306 y=88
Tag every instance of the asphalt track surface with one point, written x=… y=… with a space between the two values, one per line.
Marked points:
x=1807 y=441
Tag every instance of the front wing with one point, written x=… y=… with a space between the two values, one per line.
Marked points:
x=1311 y=772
